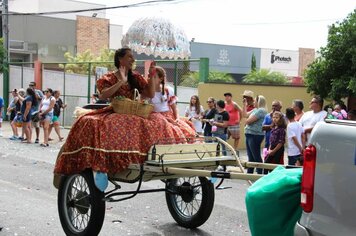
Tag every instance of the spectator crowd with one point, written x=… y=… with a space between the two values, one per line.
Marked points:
x=33 y=109
x=276 y=131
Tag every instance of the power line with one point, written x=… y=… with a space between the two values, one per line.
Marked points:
x=146 y=3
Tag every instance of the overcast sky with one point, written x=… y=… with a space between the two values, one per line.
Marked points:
x=279 y=24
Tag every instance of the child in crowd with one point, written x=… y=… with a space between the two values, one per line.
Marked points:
x=220 y=123
x=296 y=138
x=277 y=140
x=339 y=113
x=194 y=112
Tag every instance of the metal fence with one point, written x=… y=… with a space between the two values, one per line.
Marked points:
x=77 y=81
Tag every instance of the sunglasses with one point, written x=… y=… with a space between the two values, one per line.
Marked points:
x=46 y=91
x=209 y=101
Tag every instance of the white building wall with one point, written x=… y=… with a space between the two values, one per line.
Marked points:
x=116 y=34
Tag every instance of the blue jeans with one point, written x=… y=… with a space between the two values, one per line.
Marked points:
x=253 y=148
x=223 y=137
x=293 y=159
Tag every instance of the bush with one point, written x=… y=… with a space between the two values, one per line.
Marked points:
x=192 y=78
x=265 y=76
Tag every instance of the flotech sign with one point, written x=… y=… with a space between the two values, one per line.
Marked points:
x=284 y=61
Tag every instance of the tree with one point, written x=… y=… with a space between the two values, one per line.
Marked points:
x=253 y=62
x=78 y=64
x=2 y=55
x=192 y=79
x=264 y=76
x=333 y=74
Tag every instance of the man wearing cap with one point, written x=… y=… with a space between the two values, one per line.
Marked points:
x=39 y=96
x=235 y=113
x=248 y=96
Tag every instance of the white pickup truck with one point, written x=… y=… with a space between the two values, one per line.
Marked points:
x=329 y=181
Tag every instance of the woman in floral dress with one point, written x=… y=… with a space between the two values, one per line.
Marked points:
x=109 y=142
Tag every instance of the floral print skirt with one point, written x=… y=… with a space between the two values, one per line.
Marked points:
x=109 y=142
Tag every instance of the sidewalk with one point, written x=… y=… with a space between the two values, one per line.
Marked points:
x=7 y=133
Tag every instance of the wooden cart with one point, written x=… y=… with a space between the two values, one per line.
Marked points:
x=184 y=168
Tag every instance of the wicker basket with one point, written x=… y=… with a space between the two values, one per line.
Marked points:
x=130 y=107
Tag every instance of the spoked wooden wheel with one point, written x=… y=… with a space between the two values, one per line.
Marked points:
x=80 y=205
x=190 y=200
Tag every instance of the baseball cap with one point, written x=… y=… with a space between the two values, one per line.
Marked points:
x=227 y=94
x=248 y=93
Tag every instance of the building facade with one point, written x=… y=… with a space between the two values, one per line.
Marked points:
x=236 y=60
x=47 y=38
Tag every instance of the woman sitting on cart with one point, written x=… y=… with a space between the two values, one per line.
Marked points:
x=109 y=142
x=164 y=102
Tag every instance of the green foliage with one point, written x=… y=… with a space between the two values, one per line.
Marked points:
x=192 y=79
x=79 y=63
x=265 y=76
x=253 y=62
x=333 y=74
x=2 y=55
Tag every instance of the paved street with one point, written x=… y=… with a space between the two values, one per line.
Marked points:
x=28 y=200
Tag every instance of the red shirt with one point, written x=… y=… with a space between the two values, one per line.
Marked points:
x=233 y=114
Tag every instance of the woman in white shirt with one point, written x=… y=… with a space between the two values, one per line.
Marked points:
x=195 y=112
x=46 y=114
x=164 y=102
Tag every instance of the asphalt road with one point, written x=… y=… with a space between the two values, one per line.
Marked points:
x=28 y=200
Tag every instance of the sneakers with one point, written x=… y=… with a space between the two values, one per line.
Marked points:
x=14 y=138
x=37 y=140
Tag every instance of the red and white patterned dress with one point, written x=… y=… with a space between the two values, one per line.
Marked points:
x=109 y=142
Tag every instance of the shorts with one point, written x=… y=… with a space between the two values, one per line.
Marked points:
x=48 y=117
x=234 y=131
x=55 y=119
x=35 y=124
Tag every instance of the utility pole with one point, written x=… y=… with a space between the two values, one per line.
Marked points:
x=5 y=35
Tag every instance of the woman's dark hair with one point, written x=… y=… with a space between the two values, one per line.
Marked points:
x=161 y=74
x=281 y=122
x=197 y=104
x=50 y=91
x=120 y=53
x=299 y=103
x=221 y=103
x=32 y=93
x=290 y=114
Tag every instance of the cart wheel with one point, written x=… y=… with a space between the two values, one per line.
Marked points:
x=190 y=200
x=80 y=205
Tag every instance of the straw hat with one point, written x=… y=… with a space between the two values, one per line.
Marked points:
x=248 y=93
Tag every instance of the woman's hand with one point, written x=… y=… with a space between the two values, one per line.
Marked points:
x=244 y=101
x=123 y=74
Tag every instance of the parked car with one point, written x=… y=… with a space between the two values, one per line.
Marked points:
x=329 y=181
